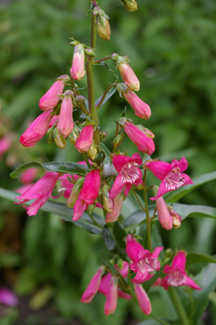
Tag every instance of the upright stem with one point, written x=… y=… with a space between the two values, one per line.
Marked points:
x=178 y=306
x=148 y=222
x=90 y=81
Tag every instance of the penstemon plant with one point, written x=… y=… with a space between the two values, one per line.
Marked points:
x=97 y=188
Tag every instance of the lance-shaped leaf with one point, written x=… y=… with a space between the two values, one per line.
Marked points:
x=103 y=99
x=190 y=210
x=193 y=258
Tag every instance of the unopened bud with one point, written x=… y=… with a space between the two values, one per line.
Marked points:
x=75 y=192
x=107 y=202
x=49 y=136
x=103 y=134
x=74 y=135
x=92 y=152
x=78 y=101
x=130 y=5
x=60 y=141
x=90 y=52
x=140 y=187
x=100 y=157
x=122 y=120
x=176 y=218
x=102 y=23
x=147 y=132
x=117 y=140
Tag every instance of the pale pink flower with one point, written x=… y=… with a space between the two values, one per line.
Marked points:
x=129 y=77
x=7 y=297
x=93 y=286
x=54 y=120
x=112 y=296
x=143 y=299
x=128 y=174
x=141 y=137
x=170 y=174
x=85 y=139
x=52 y=97
x=175 y=217
x=117 y=206
x=24 y=188
x=77 y=70
x=164 y=216
x=176 y=275
x=28 y=175
x=142 y=260
x=141 y=109
x=40 y=192
x=65 y=123
x=88 y=193
x=36 y=130
x=5 y=144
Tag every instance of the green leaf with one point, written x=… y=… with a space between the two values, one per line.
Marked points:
x=108 y=95
x=108 y=238
x=193 y=258
x=19 y=170
x=189 y=210
x=41 y=297
x=136 y=218
x=200 y=180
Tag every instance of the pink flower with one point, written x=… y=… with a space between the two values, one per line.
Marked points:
x=88 y=193
x=65 y=123
x=143 y=261
x=93 y=286
x=7 y=297
x=51 y=98
x=5 y=144
x=170 y=174
x=36 y=130
x=112 y=296
x=28 y=176
x=176 y=273
x=129 y=77
x=141 y=109
x=85 y=140
x=54 y=120
x=175 y=217
x=67 y=183
x=141 y=137
x=40 y=192
x=117 y=206
x=143 y=299
x=164 y=216
x=77 y=70
x=128 y=174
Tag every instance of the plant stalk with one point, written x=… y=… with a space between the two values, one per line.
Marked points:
x=178 y=306
x=148 y=221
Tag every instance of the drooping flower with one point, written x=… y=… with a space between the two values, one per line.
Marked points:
x=93 y=286
x=40 y=192
x=88 y=193
x=140 y=136
x=171 y=175
x=129 y=77
x=175 y=217
x=164 y=216
x=7 y=297
x=141 y=109
x=143 y=299
x=117 y=206
x=85 y=139
x=102 y=24
x=77 y=70
x=128 y=174
x=36 y=130
x=65 y=123
x=142 y=260
x=51 y=98
x=176 y=275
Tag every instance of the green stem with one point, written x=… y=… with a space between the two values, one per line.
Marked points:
x=95 y=222
x=101 y=60
x=86 y=160
x=163 y=322
x=148 y=222
x=138 y=200
x=178 y=306
x=103 y=97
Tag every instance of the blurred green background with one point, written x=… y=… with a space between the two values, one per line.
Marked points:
x=172 y=48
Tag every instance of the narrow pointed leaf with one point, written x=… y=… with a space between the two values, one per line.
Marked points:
x=108 y=95
x=22 y=168
x=189 y=210
x=193 y=258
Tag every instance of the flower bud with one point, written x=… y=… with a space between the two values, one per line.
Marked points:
x=92 y=152
x=176 y=218
x=49 y=136
x=60 y=141
x=65 y=122
x=77 y=70
x=141 y=109
x=90 y=52
x=117 y=206
x=85 y=139
x=117 y=140
x=74 y=135
x=102 y=23
x=164 y=216
x=107 y=202
x=75 y=192
x=129 y=77
x=130 y=5
x=99 y=158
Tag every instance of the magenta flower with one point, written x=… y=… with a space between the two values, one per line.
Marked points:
x=77 y=70
x=141 y=109
x=141 y=137
x=36 y=130
x=28 y=175
x=51 y=98
x=65 y=123
x=54 y=120
x=129 y=77
x=143 y=299
x=85 y=139
x=88 y=193
x=164 y=216
x=176 y=275
x=170 y=174
x=142 y=260
x=40 y=192
x=93 y=286
x=128 y=174
x=116 y=209
x=7 y=297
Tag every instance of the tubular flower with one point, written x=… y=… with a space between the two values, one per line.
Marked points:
x=88 y=193
x=164 y=216
x=85 y=139
x=143 y=299
x=102 y=24
x=51 y=98
x=129 y=77
x=36 y=130
x=93 y=286
x=140 y=136
x=117 y=206
x=141 y=109
x=77 y=70
x=170 y=174
x=128 y=174
x=28 y=176
x=40 y=192
x=143 y=261
x=176 y=218
x=65 y=123
x=176 y=275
